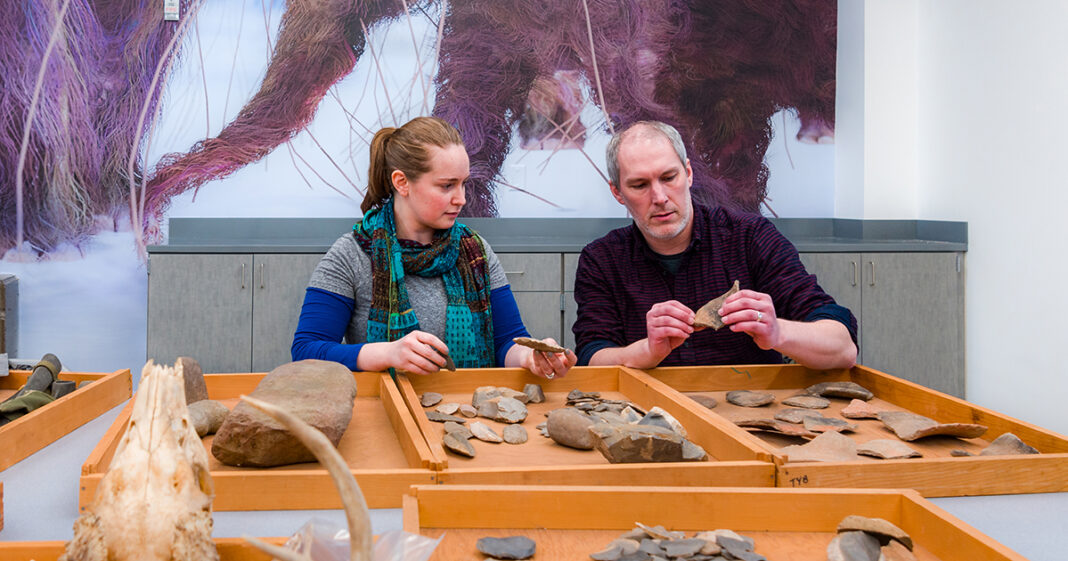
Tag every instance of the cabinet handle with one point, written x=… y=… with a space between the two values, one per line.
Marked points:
x=872 y=263
x=514 y=272
x=242 y=276
x=854 y=263
x=261 y=275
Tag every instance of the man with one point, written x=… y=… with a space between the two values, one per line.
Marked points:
x=637 y=287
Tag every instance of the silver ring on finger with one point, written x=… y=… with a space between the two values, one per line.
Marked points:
x=760 y=317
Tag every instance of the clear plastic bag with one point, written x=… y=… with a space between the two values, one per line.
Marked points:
x=323 y=540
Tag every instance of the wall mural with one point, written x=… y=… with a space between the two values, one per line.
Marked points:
x=101 y=101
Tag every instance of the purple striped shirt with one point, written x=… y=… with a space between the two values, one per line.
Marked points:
x=619 y=279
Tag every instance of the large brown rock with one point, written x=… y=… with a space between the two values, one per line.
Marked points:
x=910 y=426
x=624 y=444
x=319 y=392
x=569 y=426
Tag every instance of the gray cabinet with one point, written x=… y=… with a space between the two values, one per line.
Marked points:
x=231 y=312
x=278 y=292
x=910 y=307
x=200 y=305
x=536 y=282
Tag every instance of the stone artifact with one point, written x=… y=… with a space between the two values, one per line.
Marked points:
x=207 y=415
x=615 y=550
x=522 y=397
x=882 y=530
x=452 y=442
x=514 y=547
x=319 y=392
x=827 y=447
x=741 y=549
x=570 y=427
x=659 y=417
x=776 y=426
x=860 y=409
x=538 y=345
x=659 y=532
x=458 y=430
x=448 y=408
x=514 y=434
x=853 y=546
x=894 y=551
x=154 y=502
x=746 y=398
x=576 y=395
x=630 y=415
x=793 y=415
x=439 y=417
x=356 y=513
x=958 y=453
x=468 y=411
x=640 y=443
x=484 y=393
x=711 y=546
x=503 y=409
x=888 y=449
x=61 y=388
x=449 y=364
x=807 y=402
x=848 y=390
x=685 y=547
x=910 y=426
x=1006 y=445
x=196 y=388
x=819 y=423
x=543 y=428
x=534 y=393
x=484 y=433
x=430 y=399
x=708 y=315
x=706 y=401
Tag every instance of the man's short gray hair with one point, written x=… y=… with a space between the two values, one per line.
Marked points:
x=643 y=128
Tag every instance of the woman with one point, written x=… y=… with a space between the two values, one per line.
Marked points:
x=411 y=285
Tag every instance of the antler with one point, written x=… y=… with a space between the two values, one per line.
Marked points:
x=359 y=518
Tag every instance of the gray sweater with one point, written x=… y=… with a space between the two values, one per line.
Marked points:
x=346 y=270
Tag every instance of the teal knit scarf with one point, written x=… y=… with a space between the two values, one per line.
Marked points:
x=457 y=256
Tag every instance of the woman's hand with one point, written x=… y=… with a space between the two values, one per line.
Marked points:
x=545 y=364
x=418 y=352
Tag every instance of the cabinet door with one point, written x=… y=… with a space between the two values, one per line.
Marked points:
x=200 y=306
x=535 y=279
x=839 y=276
x=278 y=288
x=914 y=317
x=541 y=313
x=570 y=315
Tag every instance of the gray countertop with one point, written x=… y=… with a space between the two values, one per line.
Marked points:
x=553 y=235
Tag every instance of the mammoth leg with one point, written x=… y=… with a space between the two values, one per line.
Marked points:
x=319 y=43
x=483 y=82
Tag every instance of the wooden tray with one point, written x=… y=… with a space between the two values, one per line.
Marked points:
x=936 y=474
x=541 y=461
x=382 y=445
x=45 y=425
x=569 y=523
x=230 y=549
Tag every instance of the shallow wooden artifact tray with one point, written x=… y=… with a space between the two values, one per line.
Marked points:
x=382 y=446
x=541 y=461
x=570 y=523
x=936 y=474
x=230 y=549
x=45 y=425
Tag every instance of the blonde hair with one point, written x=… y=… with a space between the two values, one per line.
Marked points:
x=404 y=149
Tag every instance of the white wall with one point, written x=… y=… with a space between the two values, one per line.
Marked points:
x=986 y=100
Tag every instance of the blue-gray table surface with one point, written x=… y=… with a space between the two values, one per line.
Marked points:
x=552 y=235
x=41 y=503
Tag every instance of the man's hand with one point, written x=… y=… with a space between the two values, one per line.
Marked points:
x=667 y=325
x=753 y=313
